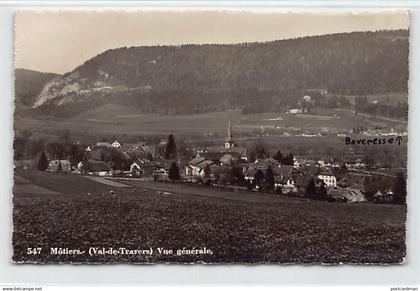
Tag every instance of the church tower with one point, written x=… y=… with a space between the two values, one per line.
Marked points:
x=229 y=140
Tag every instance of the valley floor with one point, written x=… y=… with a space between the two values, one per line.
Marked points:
x=75 y=213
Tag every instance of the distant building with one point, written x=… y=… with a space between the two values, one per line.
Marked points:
x=116 y=144
x=161 y=174
x=295 y=111
x=307 y=98
x=135 y=169
x=98 y=168
x=347 y=195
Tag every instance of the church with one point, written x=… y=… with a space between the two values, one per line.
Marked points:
x=229 y=147
x=225 y=155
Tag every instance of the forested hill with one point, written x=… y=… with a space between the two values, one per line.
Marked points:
x=198 y=78
x=28 y=85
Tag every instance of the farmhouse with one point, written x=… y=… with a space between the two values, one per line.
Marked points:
x=98 y=168
x=285 y=178
x=197 y=166
x=327 y=175
x=138 y=150
x=135 y=169
x=347 y=195
x=161 y=174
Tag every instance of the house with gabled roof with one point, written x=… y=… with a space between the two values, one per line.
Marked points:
x=116 y=144
x=197 y=166
x=327 y=175
x=285 y=178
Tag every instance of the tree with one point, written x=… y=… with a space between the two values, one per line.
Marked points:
x=252 y=156
x=207 y=171
x=260 y=152
x=278 y=156
x=288 y=160
x=42 y=162
x=59 y=167
x=237 y=176
x=258 y=178
x=170 y=152
x=311 y=188
x=400 y=189
x=322 y=190
x=269 y=178
x=174 y=172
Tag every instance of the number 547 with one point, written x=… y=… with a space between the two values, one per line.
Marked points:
x=33 y=251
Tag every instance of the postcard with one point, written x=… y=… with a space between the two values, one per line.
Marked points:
x=210 y=136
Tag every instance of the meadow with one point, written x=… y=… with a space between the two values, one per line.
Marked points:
x=236 y=227
x=119 y=120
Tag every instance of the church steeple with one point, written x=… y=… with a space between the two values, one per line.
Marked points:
x=229 y=140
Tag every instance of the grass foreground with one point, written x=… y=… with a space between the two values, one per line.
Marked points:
x=231 y=231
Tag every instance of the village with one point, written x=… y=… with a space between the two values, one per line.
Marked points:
x=226 y=166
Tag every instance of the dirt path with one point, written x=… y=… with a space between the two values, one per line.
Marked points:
x=107 y=182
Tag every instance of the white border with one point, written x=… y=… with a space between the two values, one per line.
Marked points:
x=407 y=274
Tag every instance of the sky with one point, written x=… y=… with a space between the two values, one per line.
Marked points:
x=59 y=41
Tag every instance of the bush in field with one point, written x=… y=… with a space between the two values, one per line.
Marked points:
x=278 y=156
x=42 y=162
x=322 y=190
x=237 y=177
x=269 y=178
x=174 y=172
x=258 y=178
x=288 y=160
x=311 y=188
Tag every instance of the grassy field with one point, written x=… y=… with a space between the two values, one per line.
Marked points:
x=236 y=227
x=117 y=120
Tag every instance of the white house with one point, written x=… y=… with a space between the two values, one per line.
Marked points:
x=295 y=111
x=135 y=169
x=307 y=98
x=328 y=177
x=116 y=144
x=196 y=167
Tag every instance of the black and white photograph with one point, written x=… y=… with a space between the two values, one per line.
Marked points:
x=210 y=136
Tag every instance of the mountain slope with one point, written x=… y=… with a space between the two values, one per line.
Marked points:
x=203 y=78
x=28 y=86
